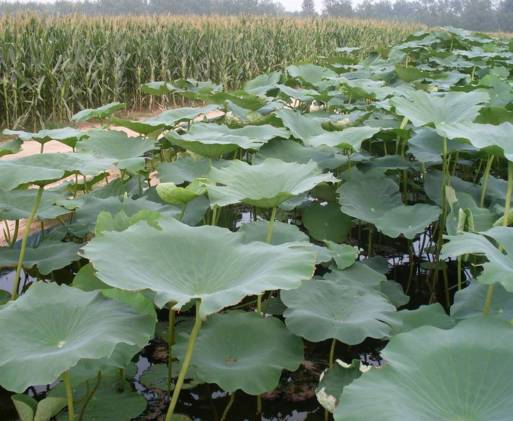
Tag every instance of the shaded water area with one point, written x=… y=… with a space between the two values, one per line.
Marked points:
x=294 y=399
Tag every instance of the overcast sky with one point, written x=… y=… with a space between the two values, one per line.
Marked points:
x=296 y=4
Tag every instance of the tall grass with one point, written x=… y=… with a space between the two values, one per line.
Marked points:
x=50 y=67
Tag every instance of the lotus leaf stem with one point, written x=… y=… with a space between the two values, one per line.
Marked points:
x=228 y=407
x=507 y=204
x=369 y=241
x=90 y=395
x=270 y=226
x=331 y=360
x=21 y=258
x=69 y=395
x=486 y=176
x=185 y=364
x=171 y=342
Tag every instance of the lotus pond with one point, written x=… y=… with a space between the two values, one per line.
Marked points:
x=329 y=242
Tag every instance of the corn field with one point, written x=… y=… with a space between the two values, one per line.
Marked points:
x=51 y=67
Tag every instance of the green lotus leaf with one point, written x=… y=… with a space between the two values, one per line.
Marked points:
x=499 y=267
x=365 y=88
x=332 y=383
x=352 y=137
x=87 y=214
x=67 y=135
x=301 y=94
x=434 y=374
x=427 y=315
x=262 y=84
x=326 y=222
x=422 y=108
x=214 y=140
x=369 y=198
x=282 y=233
x=239 y=350
x=171 y=193
x=98 y=113
x=193 y=265
x=42 y=169
x=31 y=410
x=292 y=151
x=184 y=169
x=407 y=220
x=302 y=126
x=126 y=151
x=48 y=256
x=427 y=146
x=360 y=274
x=265 y=185
x=409 y=74
x=165 y=120
x=121 y=221
x=469 y=302
x=325 y=309
x=343 y=254
x=482 y=136
x=18 y=204
x=7 y=148
x=55 y=327
x=310 y=73
x=112 y=400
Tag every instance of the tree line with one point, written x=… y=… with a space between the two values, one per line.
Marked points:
x=480 y=15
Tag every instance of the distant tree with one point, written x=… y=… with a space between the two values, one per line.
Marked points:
x=505 y=15
x=308 y=8
x=338 y=8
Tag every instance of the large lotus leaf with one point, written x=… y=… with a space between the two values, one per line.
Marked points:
x=422 y=108
x=326 y=222
x=50 y=328
x=188 y=263
x=267 y=184
x=434 y=374
x=262 y=84
x=7 y=148
x=48 y=256
x=499 y=267
x=433 y=181
x=302 y=126
x=166 y=119
x=344 y=255
x=427 y=315
x=301 y=94
x=352 y=137
x=292 y=151
x=98 y=113
x=369 y=198
x=214 y=140
x=127 y=151
x=29 y=409
x=469 y=302
x=282 y=232
x=87 y=214
x=66 y=135
x=48 y=167
x=427 y=146
x=310 y=73
x=407 y=220
x=183 y=169
x=482 y=136
x=240 y=350
x=18 y=204
x=325 y=309
x=121 y=221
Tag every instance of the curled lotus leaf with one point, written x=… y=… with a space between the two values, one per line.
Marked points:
x=98 y=113
x=67 y=135
x=50 y=328
x=435 y=374
x=266 y=185
x=189 y=263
